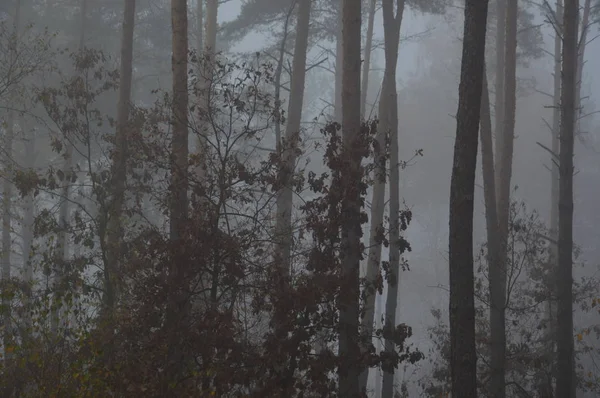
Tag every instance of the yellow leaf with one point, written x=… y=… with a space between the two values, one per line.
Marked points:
x=10 y=349
x=579 y=337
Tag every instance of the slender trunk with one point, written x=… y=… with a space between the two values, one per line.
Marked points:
x=463 y=358
x=392 y=21
x=119 y=161
x=277 y=79
x=503 y=180
x=494 y=255
x=199 y=26
x=204 y=85
x=565 y=383
x=63 y=238
x=554 y=194
x=292 y=131
x=367 y=61
x=339 y=61
x=585 y=26
x=7 y=192
x=179 y=145
x=499 y=86
x=177 y=304
x=350 y=248
x=27 y=230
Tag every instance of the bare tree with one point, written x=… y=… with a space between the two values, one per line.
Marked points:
x=463 y=358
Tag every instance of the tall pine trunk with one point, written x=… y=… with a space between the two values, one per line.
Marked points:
x=288 y=162
x=565 y=383
x=463 y=357
x=348 y=303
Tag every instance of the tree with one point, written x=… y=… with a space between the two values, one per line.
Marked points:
x=119 y=161
x=565 y=383
x=364 y=89
x=392 y=22
x=463 y=359
x=349 y=350
x=292 y=132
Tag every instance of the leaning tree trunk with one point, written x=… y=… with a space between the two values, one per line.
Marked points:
x=585 y=26
x=285 y=194
x=350 y=247
x=364 y=89
x=463 y=357
x=119 y=160
x=565 y=383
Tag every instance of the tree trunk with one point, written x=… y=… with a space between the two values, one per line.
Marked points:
x=585 y=26
x=292 y=131
x=27 y=229
x=119 y=161
x=388 y=124
x=204 y=85
x=499 y=86
x=364 y=90
x=339 y=61
x=554 y=194
x=277 y=80
x=63 y=237
x=565 y=383
x=504 y=152
x=392 y=22
x=7 y=192
x=350 y=248
x=494 y=254
x=179 y=145
x=199 y=27
x=463 y=358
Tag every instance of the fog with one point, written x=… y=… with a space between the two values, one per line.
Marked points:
x=92 y=309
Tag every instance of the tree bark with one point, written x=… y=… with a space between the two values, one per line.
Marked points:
x=463 y=358
x=565 y=383
x=292 y=131
x=349 y=349
x=364 y=90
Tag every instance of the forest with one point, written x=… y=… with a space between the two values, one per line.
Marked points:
x=299 y=198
